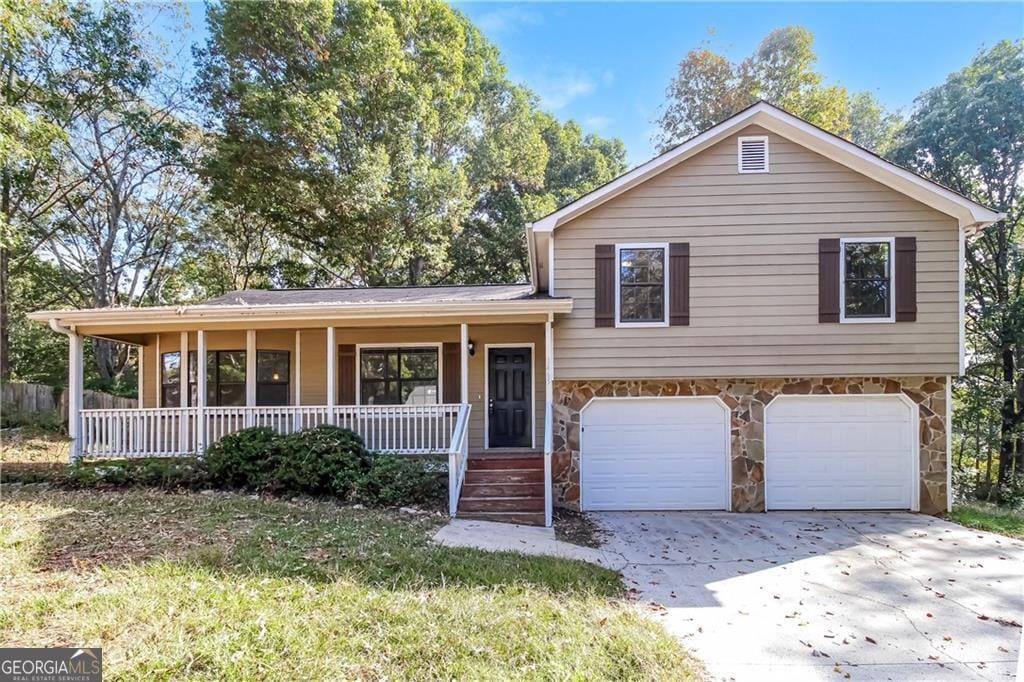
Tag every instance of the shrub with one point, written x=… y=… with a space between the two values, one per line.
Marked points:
x=244 y=459
x=393 y=480
x=322 y=460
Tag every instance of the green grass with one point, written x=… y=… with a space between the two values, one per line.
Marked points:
x=224 y=586
x=991 y=518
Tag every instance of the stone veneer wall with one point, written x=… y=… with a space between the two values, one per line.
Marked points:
x=747 y=399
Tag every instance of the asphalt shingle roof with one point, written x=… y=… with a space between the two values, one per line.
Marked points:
x=371 y=295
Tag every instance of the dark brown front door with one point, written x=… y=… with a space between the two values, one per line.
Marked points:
x=510 y=423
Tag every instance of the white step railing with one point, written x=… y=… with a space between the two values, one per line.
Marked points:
x=458 y=458
x=171 y=432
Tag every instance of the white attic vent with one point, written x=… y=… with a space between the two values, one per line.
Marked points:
x=753 y=154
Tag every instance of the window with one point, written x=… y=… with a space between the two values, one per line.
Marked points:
x=866 y=276
x=170 y=376
x=398 y=376
x=272 y=375
x=641 y=296
x=225 y=377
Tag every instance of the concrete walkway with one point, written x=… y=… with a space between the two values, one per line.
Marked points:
x=508 y=537
x=827 y=596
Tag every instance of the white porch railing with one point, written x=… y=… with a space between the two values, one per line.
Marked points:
x=172 y=432
x=458 y=459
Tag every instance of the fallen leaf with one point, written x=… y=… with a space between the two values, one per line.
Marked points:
x=870 y=640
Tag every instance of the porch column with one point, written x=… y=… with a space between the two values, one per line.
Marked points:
x=549 y=397
x=250 y=375
x=159 y=385
x=184 y=433
x=201 y=392
x=332 y=375
x=140 y=373
x=297 y=400
x=76 y=383
x=464 y=356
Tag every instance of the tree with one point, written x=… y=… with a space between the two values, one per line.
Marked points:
x=968 y=134
x=347 y=126
x=707 y=89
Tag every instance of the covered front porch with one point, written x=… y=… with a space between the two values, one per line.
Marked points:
x=439 y=384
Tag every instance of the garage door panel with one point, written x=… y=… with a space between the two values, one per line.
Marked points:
x=641 y=453
x=832 y=452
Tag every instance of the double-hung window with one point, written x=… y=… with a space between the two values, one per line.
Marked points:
x=225 y=378
x=866 y=279
x=641 y=294
x=398 y=376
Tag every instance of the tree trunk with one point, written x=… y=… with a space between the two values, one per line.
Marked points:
x=5 y=285
x=1007 y=439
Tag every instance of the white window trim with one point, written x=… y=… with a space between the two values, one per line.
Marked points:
x=739 y=153
x=439 y=347
x=618 y=281
x=891 y=241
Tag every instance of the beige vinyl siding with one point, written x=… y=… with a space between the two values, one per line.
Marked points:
x=313 y=359
x=754 y=273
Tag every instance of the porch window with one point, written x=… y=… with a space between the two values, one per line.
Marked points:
x=225 y=378
x=272 y=376
x=170 y=376
x=398 y=376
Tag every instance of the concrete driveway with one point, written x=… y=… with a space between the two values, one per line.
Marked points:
x=815 y=595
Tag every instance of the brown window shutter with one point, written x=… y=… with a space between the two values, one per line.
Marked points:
x=604 y=285
x=679 y=284
x=906 y=279
x=346 y=374
x=828 y=280
x=452 y=365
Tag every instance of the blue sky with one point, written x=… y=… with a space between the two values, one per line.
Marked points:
x=607 y=64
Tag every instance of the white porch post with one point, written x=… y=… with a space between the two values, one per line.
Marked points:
x=332 y=375
x=201 y=392
x=250 y=375
x=159 y=385
x=185 y=433
x=140 y=373
x=75 y=386
x=297 y=400
x=549 y=396
x=464 y=370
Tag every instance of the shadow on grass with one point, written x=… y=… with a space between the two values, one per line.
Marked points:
x=313 y=540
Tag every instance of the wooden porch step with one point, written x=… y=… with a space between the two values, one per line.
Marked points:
x=501 y=504
x=502 y=489
x=522 y=518
x=505 y=463
x=503 y=476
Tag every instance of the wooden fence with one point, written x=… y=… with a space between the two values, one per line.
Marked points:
x=32 y=399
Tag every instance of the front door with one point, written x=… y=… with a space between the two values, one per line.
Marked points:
x=510 y=422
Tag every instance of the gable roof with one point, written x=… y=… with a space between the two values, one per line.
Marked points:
x=970 y=215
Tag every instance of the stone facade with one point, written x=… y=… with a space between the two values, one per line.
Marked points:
x=747 y=399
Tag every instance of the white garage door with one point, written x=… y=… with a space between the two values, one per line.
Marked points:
x=654 y=453
x=839 y=452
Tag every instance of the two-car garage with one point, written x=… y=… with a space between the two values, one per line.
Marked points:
x=821 y=452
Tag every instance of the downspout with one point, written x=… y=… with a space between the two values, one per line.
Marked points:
x=532 y=256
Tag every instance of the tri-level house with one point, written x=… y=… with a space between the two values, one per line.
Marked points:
x=764 y=317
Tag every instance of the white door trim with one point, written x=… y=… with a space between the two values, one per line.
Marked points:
x=533 y=390
x=726 y=435
x=915 y=415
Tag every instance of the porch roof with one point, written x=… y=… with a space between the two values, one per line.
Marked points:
x=318 y=307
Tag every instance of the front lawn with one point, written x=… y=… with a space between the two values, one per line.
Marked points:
x=991 y=518
x=221 y=585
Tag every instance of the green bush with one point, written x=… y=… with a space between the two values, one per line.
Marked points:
x=244 y=459
x=393 y=480
x=322 y=460
x=167 y=473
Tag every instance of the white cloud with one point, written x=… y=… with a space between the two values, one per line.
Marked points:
x=558 y=87
x=507 y=20
x=597 y=124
